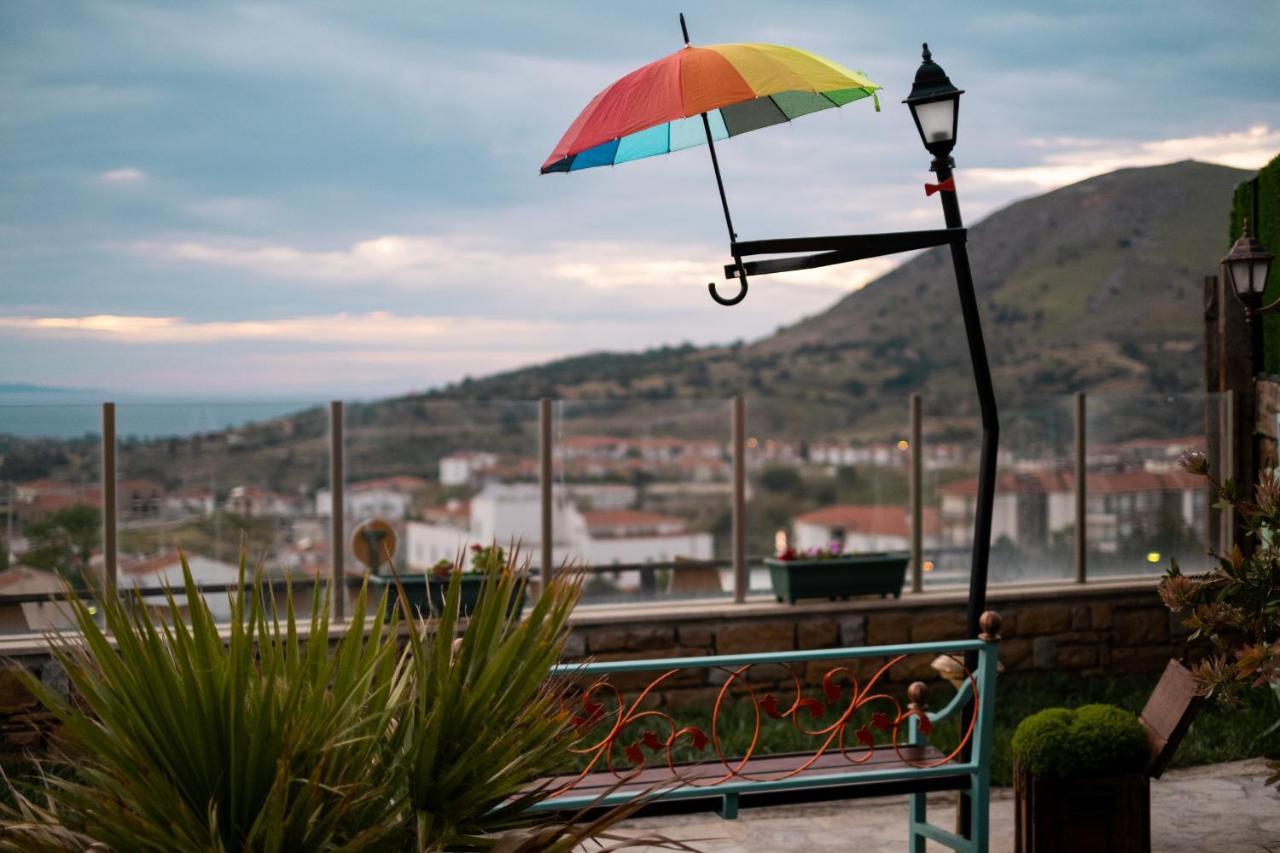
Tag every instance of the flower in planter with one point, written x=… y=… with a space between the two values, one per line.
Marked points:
x=442 y=569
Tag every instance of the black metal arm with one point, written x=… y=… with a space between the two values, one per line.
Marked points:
x=838 y=249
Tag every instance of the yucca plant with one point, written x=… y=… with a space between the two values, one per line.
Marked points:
x=487 y=723
x=252 y=737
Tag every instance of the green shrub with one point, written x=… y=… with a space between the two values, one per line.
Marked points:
x=1093 y=740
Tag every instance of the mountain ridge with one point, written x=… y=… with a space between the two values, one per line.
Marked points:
x=1094 y=286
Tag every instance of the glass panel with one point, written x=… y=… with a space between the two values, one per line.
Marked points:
x=51 y=491
x=814 y=483
x=444 y=475
x=1033 y=512
x=937 y=119
x=202 y=480
x=644 y=497
x=1142 y=508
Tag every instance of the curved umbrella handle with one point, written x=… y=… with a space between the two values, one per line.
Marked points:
x=742 y=294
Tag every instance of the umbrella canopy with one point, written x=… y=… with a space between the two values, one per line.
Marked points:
x=656 y=109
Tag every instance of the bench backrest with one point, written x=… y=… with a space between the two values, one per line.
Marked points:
x=1168 y=714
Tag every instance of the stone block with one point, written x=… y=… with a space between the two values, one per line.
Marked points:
x=630 y=638
x=885 y=629
x=1074 y=658
x=755 y=636
x=1044 y=619
x=853 y=630
x=1080 y=618
x=1100 y=615
x=1016 y=653
x=1136 y=659
x=699 y=634
x=817 y=634
x=937 y=625
x=1044 y=652
x=14 y=695
x=1141 y=627
x=575 y=646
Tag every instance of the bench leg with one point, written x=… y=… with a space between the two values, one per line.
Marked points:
x=729 y=807
x=917 y=815
x=980 y=804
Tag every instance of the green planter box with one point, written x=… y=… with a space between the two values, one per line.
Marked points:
x=857 y=574
x=426 y=594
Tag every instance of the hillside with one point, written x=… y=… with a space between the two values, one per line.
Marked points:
x=1095 y=286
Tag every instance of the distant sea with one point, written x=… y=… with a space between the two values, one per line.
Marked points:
x=62 y=413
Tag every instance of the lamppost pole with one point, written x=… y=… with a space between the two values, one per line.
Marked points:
x=935 y=107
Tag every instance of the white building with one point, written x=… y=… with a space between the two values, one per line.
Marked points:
x=458 y=469
x=511 y=513
x=862 y=528
x=387 y=497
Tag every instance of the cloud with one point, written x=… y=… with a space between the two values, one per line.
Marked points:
x=335 y=328
x=418 y=261
x=125 y=175
x=1075 y=159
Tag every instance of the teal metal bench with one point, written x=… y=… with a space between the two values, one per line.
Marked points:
x=873 y=746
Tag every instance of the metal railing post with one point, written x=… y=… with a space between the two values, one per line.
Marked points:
x=1228 y=470
x=1082 y=490
x=917 y=493
x=546 y=493
x=337 y=511
x=741 y=581
x=109 y=495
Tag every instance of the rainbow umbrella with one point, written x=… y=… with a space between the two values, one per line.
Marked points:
x=739 y=87
x=701 y=94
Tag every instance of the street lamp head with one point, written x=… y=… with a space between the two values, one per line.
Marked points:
x=1247 y=265
x=935 y=106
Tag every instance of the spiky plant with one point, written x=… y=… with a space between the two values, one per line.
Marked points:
x=486 y=721
x=187 y=735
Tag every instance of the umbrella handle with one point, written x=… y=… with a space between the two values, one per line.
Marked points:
x=742 y=294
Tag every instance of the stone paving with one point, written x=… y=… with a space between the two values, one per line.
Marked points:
x=1219 y=808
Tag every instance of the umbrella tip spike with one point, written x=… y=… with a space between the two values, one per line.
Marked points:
x=684 y=29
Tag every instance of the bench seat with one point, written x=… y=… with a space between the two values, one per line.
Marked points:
x=771 y=767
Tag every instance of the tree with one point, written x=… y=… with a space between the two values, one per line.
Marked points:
x=64 y=541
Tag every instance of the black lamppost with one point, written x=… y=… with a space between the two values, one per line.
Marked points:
x=1247 y=265
x=935 y=107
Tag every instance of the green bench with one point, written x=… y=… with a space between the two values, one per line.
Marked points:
x=874 y=745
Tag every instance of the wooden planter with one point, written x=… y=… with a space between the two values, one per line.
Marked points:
x=1109 y=814
x=427 y=594
x=857 y=574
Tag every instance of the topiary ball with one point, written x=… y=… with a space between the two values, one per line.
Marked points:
x=1093 y=740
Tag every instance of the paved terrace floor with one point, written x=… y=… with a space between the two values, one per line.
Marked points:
x=1222 y=808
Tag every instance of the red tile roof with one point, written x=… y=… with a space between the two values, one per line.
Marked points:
x=883 y=519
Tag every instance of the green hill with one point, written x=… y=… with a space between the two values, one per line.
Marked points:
x=1093 y=287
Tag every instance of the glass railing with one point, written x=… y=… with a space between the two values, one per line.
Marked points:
x=642 y=492
x=816 y=484
x=1142 y=509
x=210 y=481
x=436 y=477
x=643 y=497
x=51 y=489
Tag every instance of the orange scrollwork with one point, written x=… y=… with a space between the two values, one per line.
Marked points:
x=861 y=711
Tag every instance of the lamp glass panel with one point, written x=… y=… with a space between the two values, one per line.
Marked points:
x=937 y=120
x=1243 y=276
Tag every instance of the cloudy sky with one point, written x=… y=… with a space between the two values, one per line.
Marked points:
x=315 y=198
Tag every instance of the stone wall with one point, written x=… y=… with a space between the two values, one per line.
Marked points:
x=1087 y=630
x=1090 y=630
